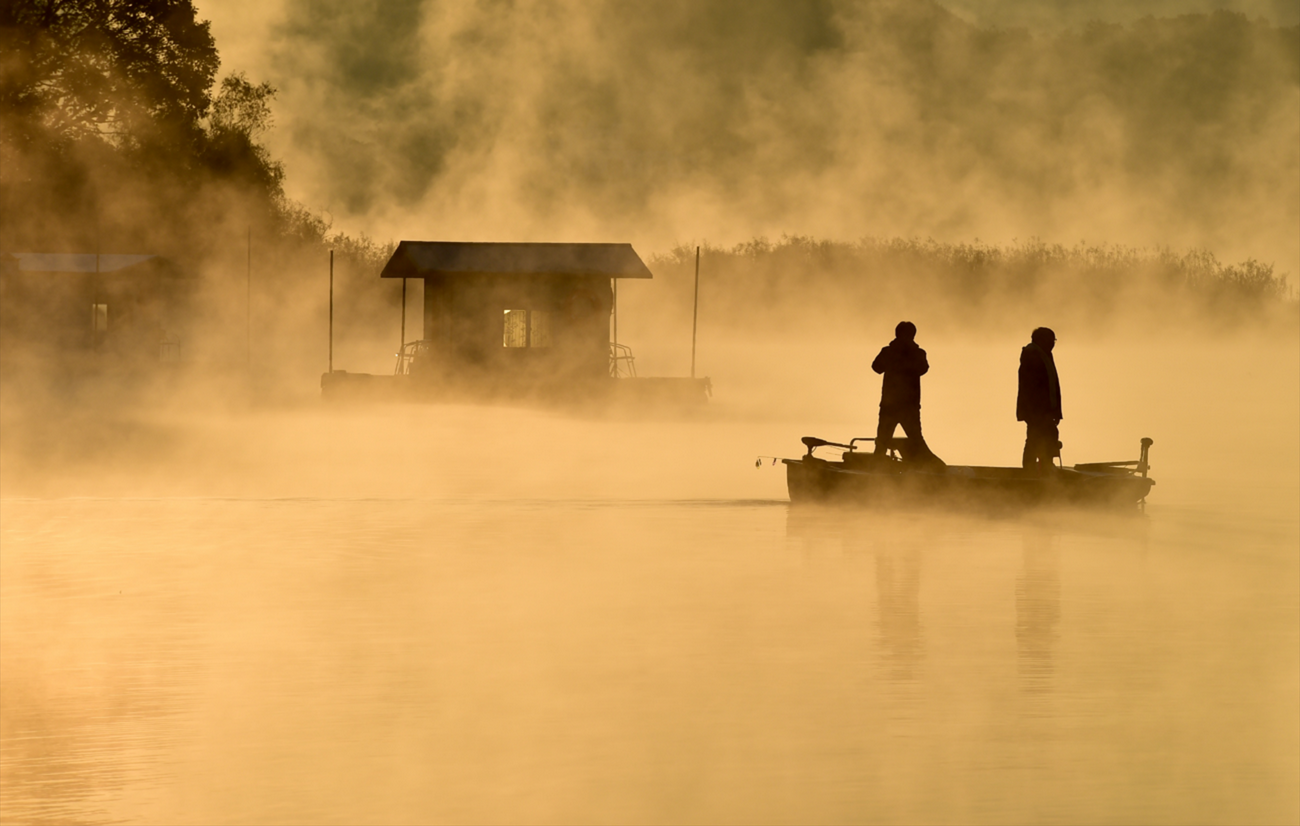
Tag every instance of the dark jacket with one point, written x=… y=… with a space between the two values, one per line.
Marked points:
x=1040 y=388
x=903 y=364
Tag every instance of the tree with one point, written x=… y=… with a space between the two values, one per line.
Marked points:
x=113 y=69
x=109 y=131
x=240 y=113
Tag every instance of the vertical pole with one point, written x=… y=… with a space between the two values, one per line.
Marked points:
x=615 y=281
x=99 y=288
x=695 y=314
x=248 y=301
x=331 y=311
x=402 y=338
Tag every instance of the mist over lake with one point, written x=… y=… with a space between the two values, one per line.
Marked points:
x=523 y=571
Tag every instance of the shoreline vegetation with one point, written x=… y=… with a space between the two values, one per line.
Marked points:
x=799 y=280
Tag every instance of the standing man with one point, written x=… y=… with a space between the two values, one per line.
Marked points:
x=903 y=363
x=1038 y=404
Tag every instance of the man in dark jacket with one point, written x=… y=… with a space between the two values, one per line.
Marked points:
x=903 y=363
x=1038 y=404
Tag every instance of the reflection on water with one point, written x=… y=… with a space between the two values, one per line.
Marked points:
x=347 y=661
x=1038 y=610
x=98 y=670
x=898 y=592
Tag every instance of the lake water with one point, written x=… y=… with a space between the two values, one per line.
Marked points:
x=291 y=614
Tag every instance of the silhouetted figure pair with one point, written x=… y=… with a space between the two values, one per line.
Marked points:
x=1038 y=400
x=903 y=363
x=1038 y=403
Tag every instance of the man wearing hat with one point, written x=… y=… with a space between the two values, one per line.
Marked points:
x=1038 y=403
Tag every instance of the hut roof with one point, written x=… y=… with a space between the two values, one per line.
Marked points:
x=418 y=259
x=87 y=262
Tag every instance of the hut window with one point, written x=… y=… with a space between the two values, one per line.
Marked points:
x=515 y=333
x=99 y=318
x=539 y=328
x=526 y=328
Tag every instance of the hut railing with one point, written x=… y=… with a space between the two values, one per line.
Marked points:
x=622 y=364
x=410 y=351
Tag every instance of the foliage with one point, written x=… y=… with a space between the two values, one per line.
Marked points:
x=302 y=227
x=242 y=107
x=112 y=137
x=117 y=69
x=240 y=113
x=801 y=280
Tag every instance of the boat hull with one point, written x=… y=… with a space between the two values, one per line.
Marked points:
x=813 y=480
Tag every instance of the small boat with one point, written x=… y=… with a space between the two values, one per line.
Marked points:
x=899 y=476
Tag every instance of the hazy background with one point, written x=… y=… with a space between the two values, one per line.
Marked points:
x=839 y=162
x=223 y=601
x=1166 y=124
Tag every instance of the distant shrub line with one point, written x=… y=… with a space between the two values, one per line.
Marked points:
x=1094 y=283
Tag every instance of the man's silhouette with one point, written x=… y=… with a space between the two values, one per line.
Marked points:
x=1038 y=404
x=903 y=363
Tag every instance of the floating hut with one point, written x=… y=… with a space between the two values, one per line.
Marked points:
x=91 y=308
x=512 y=320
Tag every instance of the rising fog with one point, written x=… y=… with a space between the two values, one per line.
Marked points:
x=675 y=122
x=223 y=599
x=841 y=164
x=976 y=169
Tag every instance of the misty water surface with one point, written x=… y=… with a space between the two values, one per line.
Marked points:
x=286 y=613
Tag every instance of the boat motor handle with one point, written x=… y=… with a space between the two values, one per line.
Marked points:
x=812 y=443
x=1143 y=465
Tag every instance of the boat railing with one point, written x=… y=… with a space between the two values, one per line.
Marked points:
x=1138 y=467
x=812 y=443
